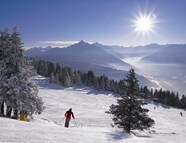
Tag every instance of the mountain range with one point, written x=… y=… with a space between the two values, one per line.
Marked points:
x=84 y=56
x=169 y=54
x=156 y=65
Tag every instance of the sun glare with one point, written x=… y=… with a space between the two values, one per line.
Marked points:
x=144 y=23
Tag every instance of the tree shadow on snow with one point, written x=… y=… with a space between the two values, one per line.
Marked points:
x=44 y=83
x=157 y=104
x=98 y=92
x=92 y=91
x=118 y=135
x=161 y=105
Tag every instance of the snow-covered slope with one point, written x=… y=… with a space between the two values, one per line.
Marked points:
x=92 y=125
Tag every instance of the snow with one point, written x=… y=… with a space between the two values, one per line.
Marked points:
x=91 y=125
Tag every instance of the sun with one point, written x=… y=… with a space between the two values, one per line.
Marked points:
x=144 y=23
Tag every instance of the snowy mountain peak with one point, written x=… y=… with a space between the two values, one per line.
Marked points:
x=82 y=42
x=97 y=44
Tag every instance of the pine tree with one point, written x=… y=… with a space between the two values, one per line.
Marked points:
x=107 y=84
x=5 y=66
x=91 y=78
x=52 y=78
x=128 y=114
x=56 y=80
x=77 y=78
x=51 y=68
x=65 y=77
x=102 y=82
x=20 y=91
x=96 y=84
x=58 y=69
x=183 y=102
x=146 y=92
x=121 y=85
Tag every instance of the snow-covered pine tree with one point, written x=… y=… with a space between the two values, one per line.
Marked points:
x=52 y=78
x=67 y=80
x=112 y=86
x=128 y=114
x=5 y=67
x=77 y=78
x=96 y=84
x=58 y=69
x=107 y=84
x=65 y=77
x=183 y=102
x=21 y=92
x=57 y=78
x=102 y=82
x=91 y=78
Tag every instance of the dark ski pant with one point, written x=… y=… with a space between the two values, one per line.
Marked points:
x=67 y=122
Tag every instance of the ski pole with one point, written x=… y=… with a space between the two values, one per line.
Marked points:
x=75 y=123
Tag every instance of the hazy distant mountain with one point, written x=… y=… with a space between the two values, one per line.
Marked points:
x=110 y=49
x=168 y=66
x=84 y=56
x=138 y=51
x=81 y=52
x=164 y=64
x=169 y=54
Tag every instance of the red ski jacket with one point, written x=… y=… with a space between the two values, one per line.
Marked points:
x=68 y=114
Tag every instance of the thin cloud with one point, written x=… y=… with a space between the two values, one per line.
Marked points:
x=60 y=42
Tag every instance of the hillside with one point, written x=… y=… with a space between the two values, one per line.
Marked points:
x=92 y=124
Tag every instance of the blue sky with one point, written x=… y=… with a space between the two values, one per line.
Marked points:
x=62 y=22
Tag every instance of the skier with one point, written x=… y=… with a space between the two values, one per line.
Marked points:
x=181 y=114
x=68 y=115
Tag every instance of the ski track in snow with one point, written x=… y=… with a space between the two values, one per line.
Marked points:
x=92 y=124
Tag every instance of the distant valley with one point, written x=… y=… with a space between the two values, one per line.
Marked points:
x=156 y=65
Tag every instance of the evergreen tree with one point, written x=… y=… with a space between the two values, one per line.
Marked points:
x=183 y=102
x=5 y=67
x=66 y=80
x=96 y=84
x=128 y=114
x=177 y=100
x=146 y=92
x=102 y=82
x=56 y=78
x=52 y=78
x=91 y=78
x=58 y=69
x=121 y=85
x=19 y=89
x=151 y=93
x=107 y=84
x=51 y=68
x=77 y=78
x=112 y=86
